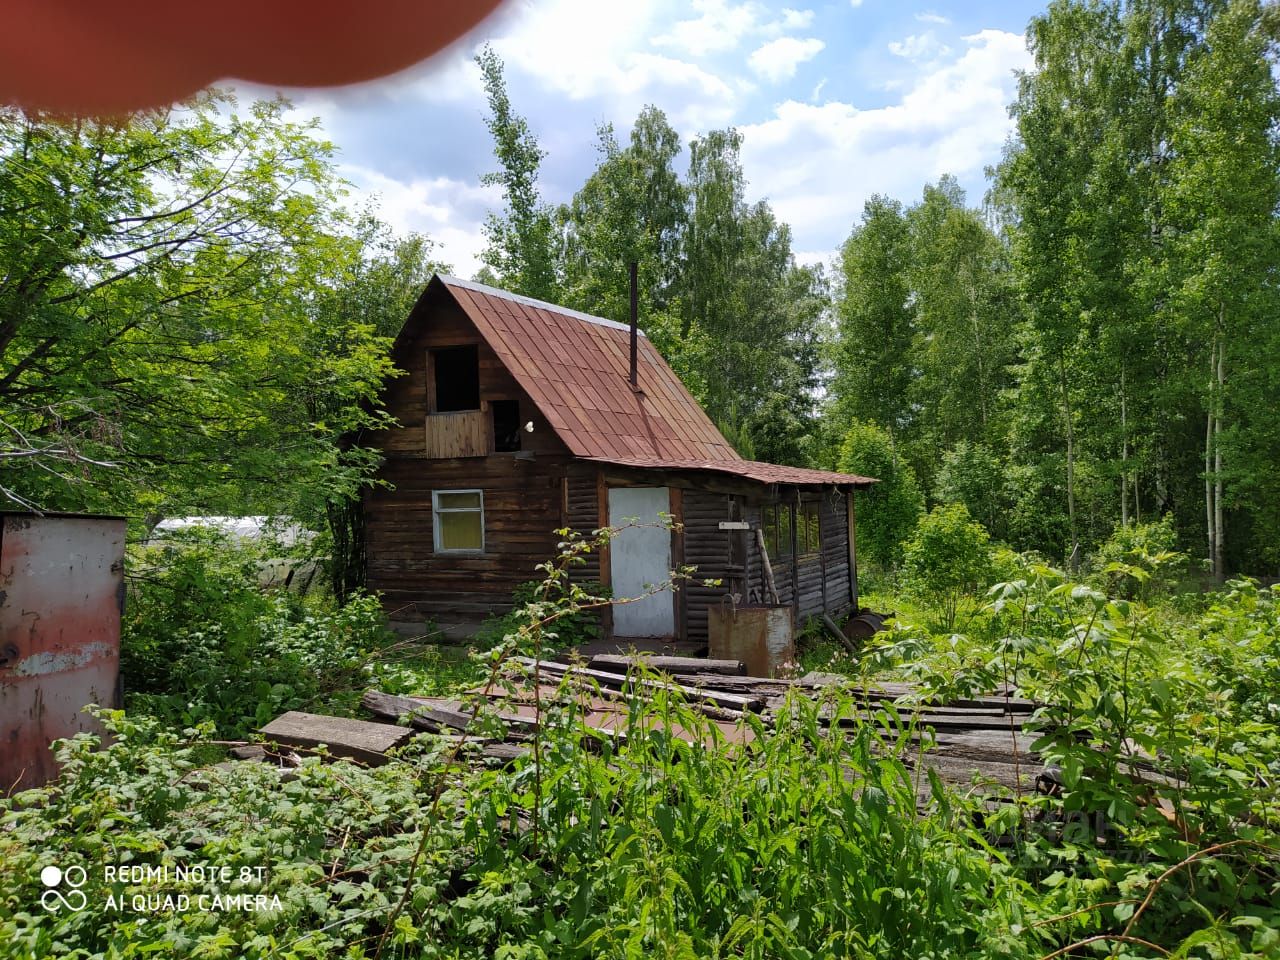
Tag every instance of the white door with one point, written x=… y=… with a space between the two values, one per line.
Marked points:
x=639 y=560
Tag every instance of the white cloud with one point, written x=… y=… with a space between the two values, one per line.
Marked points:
x=721 y=26
x=449 y=212
x=930 y=17
x=587 y=50
x=778 y=59
x=818 y=164
x=855 y=3
x=920 y=46
x=795 y=19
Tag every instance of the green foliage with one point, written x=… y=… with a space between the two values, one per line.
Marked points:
x=1143 y=190
x=1159 y=746
x=873 y=374
x=818 y=838
x=158 y=335
x=520 y=250
x=633 y=208
x=948 y=557
x=972 y=474
x=805 y=843
x=202 y=641
x=887 y=513
x=1139 y=560
x=571 y=631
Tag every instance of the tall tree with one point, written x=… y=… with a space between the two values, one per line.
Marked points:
x=632 y=208
x=876 y=319
x=368 y=282
x=965 y=318
x=521 y=243
x=1223 y=197
x=152 y=310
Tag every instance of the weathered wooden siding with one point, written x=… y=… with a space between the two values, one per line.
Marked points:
x=465 y=433
x=582 y=513
x=822 y=578
x=835 y=551
x=522 y=510
x=706 y=547
x=445 y=325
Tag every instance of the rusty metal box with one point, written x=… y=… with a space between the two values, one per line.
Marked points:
x=762 y=637
x=61 y=592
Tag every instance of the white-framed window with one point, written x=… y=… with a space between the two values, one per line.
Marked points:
x=458 y=520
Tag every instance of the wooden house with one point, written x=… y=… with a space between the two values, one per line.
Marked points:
x=518 y=418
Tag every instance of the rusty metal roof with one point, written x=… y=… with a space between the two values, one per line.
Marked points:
x=576 y=369
x=758 y=471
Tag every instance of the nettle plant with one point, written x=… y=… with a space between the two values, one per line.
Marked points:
x=1156 y=782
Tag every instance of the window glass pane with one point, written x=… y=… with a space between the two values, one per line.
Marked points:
x=458 y=501
x=460 y=531
x=769 y=525
x=812 y=531
x=784 y=531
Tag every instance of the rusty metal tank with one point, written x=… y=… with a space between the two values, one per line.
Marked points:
x=762 y=637
x=61 y=593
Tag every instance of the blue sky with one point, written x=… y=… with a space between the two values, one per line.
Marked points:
x=836 y=101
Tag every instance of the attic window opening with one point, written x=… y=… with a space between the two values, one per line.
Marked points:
x=506 y=425
x=456 y=371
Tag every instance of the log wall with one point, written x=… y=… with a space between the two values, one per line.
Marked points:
x=522 y=510
x=524 y=492
x=582 y=513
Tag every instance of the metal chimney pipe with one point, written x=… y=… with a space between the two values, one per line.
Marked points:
x=635 y=321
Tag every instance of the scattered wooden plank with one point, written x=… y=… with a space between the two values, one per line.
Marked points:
x=616 y=681
x=756 y=686
x=423 y=714
x=614 y=663
x=354 y=739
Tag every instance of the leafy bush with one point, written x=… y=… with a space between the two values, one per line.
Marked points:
x=814 y=839
x=887 y=512
x=1139 y=560
x=202 y=641
x=805 y=843
x=972 y=474
x=949 y=556
x=570 y=631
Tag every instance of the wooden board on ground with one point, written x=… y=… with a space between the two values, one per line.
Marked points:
x=663 y=646
x=619 y=663
x=355 y=739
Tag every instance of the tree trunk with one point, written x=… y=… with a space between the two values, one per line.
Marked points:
x=1124 y=454
x=1219 y=528
x=1208 y=466
x=1074 y=556
x=347 y=563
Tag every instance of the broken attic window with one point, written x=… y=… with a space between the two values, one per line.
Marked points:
x=506 y=425
x=457 y=378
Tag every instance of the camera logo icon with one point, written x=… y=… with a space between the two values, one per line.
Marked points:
x=55 y=879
